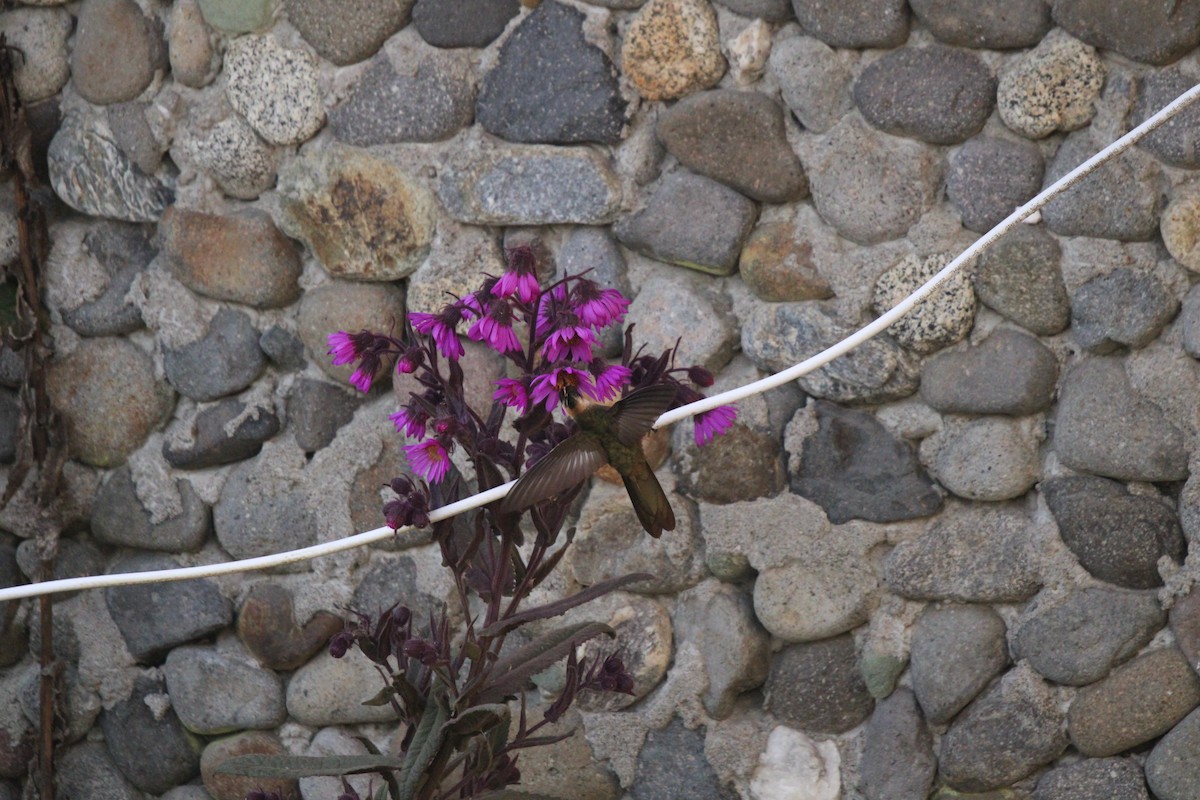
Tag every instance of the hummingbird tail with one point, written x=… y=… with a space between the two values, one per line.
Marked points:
x=649 y=501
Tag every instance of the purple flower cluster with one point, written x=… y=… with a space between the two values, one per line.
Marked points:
x=551 y=335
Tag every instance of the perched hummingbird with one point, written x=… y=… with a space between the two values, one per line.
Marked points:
x=607 y=435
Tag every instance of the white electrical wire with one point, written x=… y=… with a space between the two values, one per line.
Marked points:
x=705 y=404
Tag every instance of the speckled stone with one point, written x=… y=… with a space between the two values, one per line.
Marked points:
x=1136 y=703
x=267 y=626
x=243 y=165
x=154 y=618
x=854 y=23
x=804 y=601
x=152 y=750
x=854 y=469
x=1080 y=639
x=897 y=760
x=226 y=360
x=1185 y=624
x=990 y=459
x=222 y=786
x=1090 y=778
x=464 y=23
x=90 y=174
x=1180 y=229
x=364 y=218
x=215 y=692
x=1105 y=427
x=341 y=306
x=131 y=131
x=1005 y=735
x=776 y=263
x=41 y=37
x=329 y=691
x=956 y=652
x=718 y=619
x=226 y=432
x=87 y=770
x=241 y=258
x=109 y=397
x=347 y=31
x=738 y=139
x=672 y=763
x=275 y=88
x=816 y=686
x=691 y=221
x=120 y=518
x=123 y=252
x=1021 y=278
x=941 y=319
x=936 y=94
x=1054 y=87
x=1173 y=142
x=813 y=79
x=768 y=10
x=550 y=85
x=990 y=177
x=672 y=49
x=1172 y=768
x=1118 y=201
x=776 y=336
x=1156 y=34
x=664 y=307
x=408 y=93
x=238 y=16
x=261 y=512
x=316 y=410
x=1122 y=308
x=976 y=554
x=194 y=60
x=990 y=24
x=529 y=185
x=1007 y=373
x=75 y=559
x=115 y=26
x=1117 y=536
x=870 y=186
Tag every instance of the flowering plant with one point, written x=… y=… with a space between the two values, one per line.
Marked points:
x=451 y=687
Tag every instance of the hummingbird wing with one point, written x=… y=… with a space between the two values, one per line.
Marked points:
x=570 y=463
x=635 y=414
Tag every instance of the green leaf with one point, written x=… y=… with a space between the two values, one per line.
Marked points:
x=511 y=672
x=562 y=606
x=293 y=767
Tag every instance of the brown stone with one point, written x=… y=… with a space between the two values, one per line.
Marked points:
x=241 y=258
x=1134 y=704
x=235 y=787
x=672 y=48
x=117 y=49
x=740 y=465
x=110 y=399
x=350 y=307
x=777 y=265
x=267 y=626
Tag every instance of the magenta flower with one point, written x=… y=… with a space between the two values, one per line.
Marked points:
x=714 y=422
x=428 y=459
x=570 y=341
x=513 y=393
x=547 y=385
x=550 y=304
x=347 y=348
x=362 y=377
x=599 y=307
x=524 y=285
x=495 y=329
x=610 y=380
x=441 y=327
x=410 y=421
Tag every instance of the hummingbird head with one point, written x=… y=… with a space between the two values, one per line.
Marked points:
x=572 y=400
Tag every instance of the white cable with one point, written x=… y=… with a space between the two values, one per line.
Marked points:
x=705 y=404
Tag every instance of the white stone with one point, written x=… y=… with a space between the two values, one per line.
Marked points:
x=794 y=767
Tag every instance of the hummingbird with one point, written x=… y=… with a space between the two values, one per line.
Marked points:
x=607 y=435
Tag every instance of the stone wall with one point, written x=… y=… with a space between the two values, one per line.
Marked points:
x=953 y=561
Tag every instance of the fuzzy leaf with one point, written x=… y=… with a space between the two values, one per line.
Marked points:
x=510 y=673
x=562 y=606
x=293 y=767
x=425 y=744
x=478 y=719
